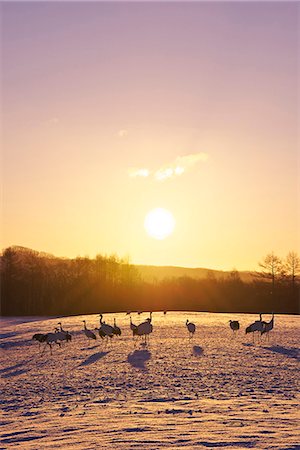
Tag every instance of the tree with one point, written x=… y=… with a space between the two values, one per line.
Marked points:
x=272 y=268
x=292 y=267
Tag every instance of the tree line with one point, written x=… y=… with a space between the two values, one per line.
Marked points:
x=36 y=283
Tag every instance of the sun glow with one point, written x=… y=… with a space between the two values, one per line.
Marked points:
x=159 y=223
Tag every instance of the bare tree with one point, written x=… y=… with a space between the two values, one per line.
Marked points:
x=272 y=268
x=292 y=267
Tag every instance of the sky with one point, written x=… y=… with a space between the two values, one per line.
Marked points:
x=113 y=109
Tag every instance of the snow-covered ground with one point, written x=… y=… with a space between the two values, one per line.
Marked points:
x=208 y=392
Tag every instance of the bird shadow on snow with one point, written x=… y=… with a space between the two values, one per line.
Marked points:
x=14 y=373
x=291 y=352
x=198 y=351
x=93 y=358
x=10 y=344
x=7 y=335
x=89 y=348
x=138 y=358
x=16 y=369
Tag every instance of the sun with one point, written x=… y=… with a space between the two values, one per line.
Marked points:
x=159 y=223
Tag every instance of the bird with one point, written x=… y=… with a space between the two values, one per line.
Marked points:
x=68 y=335
x=101 y=332
x=108 y=330
x=234 y=325
x=268 y=326
x=145 y=328
x=39 y=337
x=89 y=334
x=258 y=325
x=60 y=335
x=133 y=327
x=117 y=330
x=191 y=327
x=52 y=338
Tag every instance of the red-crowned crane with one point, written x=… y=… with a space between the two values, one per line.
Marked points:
x=145 y=328
x=89 y=334
x=108 y=330
x=268 y=327
x=40 y=338
x=258 y=325
x=68 y=335
x=234 y=325
x=191 y=327
x=133 y=328
x=117 y=330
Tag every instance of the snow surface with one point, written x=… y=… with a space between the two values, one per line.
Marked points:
x=212 y=391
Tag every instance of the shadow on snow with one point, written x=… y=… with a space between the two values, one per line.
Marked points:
x=291 y=352
x=197 y=350
x=138 y=358
x=93 y=358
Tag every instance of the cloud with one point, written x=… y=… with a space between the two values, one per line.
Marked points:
x=178 y=167
x=133 y=172
x=122 y=133
x=52 y=121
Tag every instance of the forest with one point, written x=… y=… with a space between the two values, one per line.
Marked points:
x=37 y=283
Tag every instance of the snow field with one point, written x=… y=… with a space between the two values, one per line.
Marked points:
x=211 y=391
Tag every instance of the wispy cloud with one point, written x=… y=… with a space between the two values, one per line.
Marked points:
x=122 y=133
x=178 y=167
x=52 y=121
x=134 y=172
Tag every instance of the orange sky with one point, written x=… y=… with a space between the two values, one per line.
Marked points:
x=95 y=92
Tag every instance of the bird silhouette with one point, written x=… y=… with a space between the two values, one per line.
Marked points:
x=108 y=330
x=234 y=325
x=268 y=327
x=191 y=327
x=68 y=335
x=117 y=330
x=133 y=328
x=145 y=328
x=40 y=338
x=258 y=325
x=89 y=334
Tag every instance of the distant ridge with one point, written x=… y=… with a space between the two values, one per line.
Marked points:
x=152 y=274
x=158 y=273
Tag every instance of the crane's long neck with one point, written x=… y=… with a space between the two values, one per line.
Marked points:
x=101 y=319
x=84 y=325
x=115 y=322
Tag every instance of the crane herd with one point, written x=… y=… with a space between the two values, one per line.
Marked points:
x=143 y=330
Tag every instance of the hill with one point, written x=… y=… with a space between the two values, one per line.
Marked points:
x=158 y=273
